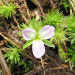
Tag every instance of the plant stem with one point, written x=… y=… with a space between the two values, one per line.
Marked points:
x=42 y=63
x=61 y=52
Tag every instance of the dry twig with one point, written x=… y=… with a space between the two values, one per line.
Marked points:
x=72 y=3
x=4 y=65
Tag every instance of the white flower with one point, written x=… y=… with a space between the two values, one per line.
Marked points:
x=38 y=47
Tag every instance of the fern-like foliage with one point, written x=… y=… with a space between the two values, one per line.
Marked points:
x=7 y=10
x=33 y=23
x=13 y=56
x=59 y=36
x=70 y=27
x=72 y=38
x=54 y=18
x=36 y=25
x=70 y=23
x=71 y=54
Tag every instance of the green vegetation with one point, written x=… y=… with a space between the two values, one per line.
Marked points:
x=7 y=10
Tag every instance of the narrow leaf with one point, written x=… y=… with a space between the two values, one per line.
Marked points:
x=22 y=38
x=73 y=41
x=28 y=43
x=48 y=43
x=23 y=25
x=20 y=33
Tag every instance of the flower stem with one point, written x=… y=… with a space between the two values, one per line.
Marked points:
x=42 y=63
x=61 y=52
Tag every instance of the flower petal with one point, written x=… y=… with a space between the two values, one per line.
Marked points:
x=29 y=33
x=46 y=32
x=38 y=48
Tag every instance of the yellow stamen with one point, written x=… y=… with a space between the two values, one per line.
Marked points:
x=36 y=39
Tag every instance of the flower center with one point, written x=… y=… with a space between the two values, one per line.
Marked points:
x=38 y=38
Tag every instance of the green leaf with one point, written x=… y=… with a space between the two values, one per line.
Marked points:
x=23 y=25
x=73 y=41
x=48 y=43
x=28 y=43
x=20 y=33
x=7 y=10
x=36 y=25
x=61 y=52
x=53 y=18
x=21 y=29
x=68 y=59
x=22 y=38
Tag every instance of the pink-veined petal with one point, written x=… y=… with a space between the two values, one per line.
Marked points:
x=29 y=33
x=46 y=32
x=38 y=48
